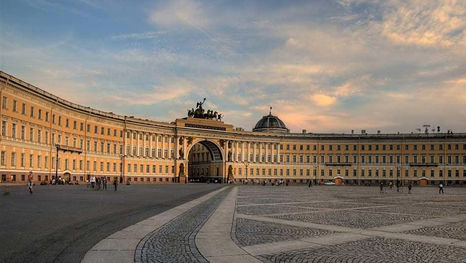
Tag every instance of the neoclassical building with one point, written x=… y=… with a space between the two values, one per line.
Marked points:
x=49 y=136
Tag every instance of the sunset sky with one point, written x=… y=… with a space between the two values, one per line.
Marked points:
x=324 y=66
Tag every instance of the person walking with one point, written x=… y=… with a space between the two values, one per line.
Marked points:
x=440 y=188
x=398 y=186
x=381 y=187
x=115 y=184
x=410 y=186
x=92 y=182
x=30 y=183
x=104 y=183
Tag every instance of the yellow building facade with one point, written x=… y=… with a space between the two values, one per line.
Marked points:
x=48 y=136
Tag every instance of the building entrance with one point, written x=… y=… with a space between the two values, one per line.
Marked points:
x=205 y=163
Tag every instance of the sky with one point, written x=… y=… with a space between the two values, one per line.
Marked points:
x=324 y=66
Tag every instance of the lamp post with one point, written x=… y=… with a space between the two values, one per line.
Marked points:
x=122 y=167
x=246 y=164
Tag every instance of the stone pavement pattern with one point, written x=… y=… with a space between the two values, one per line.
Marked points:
x=351 y=224
x=252 y=223
x=174 y=241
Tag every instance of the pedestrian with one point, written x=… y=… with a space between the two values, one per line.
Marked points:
x=30 y=183
x=93 y=182
x=391 y=185
x=115 y=183
x=381 y=187
x=310 y=184
x=104 y=183
x=409 y=188
x=440 y=188
x=98 y=181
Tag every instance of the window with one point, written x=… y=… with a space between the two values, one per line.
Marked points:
x=47 y=116
x=13 y=159
x=3 y=128
x=2 y=158
x=14 y=105
x=40 y=115
x=22 y=132
x=4 y=102
x=23 y=109
x=22 y=160
x=13 y=130
x=32 y=112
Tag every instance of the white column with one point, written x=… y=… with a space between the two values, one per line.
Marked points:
x=242 y=151
x=236 y=151
x=266 y=152
x=137 y=143
x=254 y=146
x=227 y=151
x=156 y=146
x=260 y=152
x=132 y=143
x=144 y=145
x=232 y=151
x=278 y=152
x=249 y=152
x=184 y=149
x=163 y=146
x=169 y=146
x=150 y=146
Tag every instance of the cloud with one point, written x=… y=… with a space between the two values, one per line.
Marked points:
x=323 y=100
x=425 y=23
x=180 y=13
x=139 y=36
x=158 y=94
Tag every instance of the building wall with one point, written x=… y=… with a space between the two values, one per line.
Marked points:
x=143 y=151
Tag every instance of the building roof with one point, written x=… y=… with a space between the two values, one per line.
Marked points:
x=270 y=123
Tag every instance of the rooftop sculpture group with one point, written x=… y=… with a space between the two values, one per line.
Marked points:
x=200 y=113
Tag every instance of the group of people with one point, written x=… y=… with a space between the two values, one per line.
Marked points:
x=101 y=183
x=410 y=187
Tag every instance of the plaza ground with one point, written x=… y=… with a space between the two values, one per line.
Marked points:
x=351 y=224
x=245 y=223
x=61 y=223
x=252 y=223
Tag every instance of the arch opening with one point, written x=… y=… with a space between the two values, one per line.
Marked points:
x=205 y=163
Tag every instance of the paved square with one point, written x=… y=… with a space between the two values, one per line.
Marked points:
x=350 y=224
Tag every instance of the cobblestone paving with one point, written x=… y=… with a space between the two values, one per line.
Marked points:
x=354 y=219
x=175 y=241
x=453 y=230
x=334 y=205
x=374 y=250
x=352 y=207
x=252 y=232
x=424 y=210
x=271 y=209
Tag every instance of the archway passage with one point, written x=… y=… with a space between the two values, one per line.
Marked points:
x=205 y=163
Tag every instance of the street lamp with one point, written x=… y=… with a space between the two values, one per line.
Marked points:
x=246 y=164
x=122 y=167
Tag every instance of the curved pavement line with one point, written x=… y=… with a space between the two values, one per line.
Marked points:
x=214 y=238
x=121 y=245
